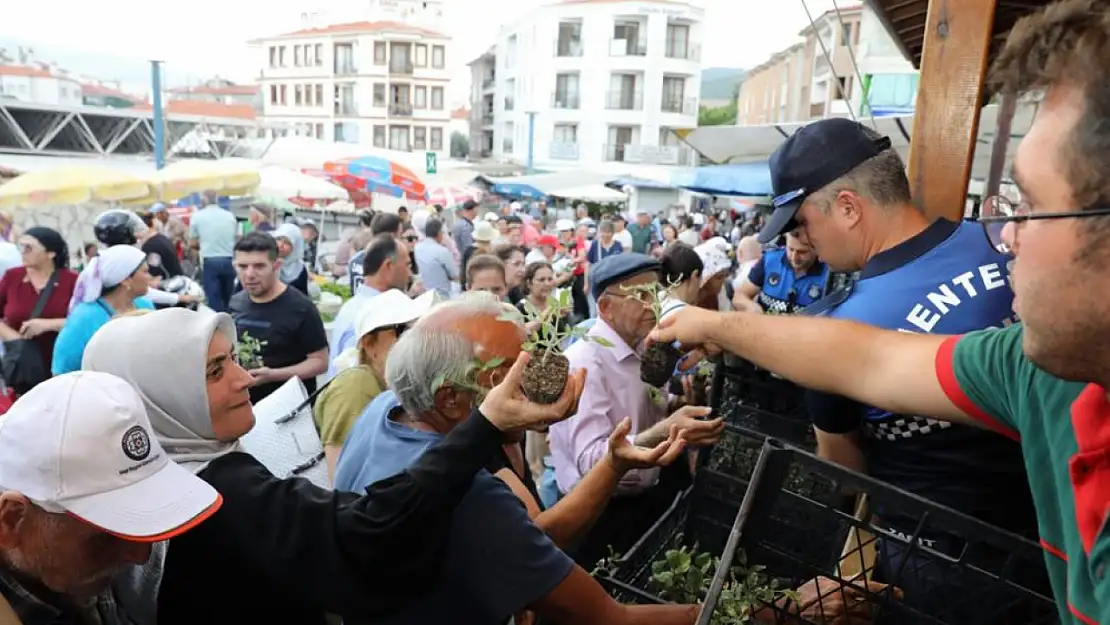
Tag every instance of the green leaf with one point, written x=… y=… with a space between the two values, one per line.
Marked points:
x=601 y=341
x=564 y=298
x=528 y=346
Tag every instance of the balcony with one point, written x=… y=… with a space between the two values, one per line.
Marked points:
x=565 y=100
x=401 y=68
x=506 y=146
x=487 y=118
x=651 y=154
x=400 y=109
x=488 y=81
x=624 y=101
x=563 y=150
x=625 y=47
x=345 y=68
x=688 y=52
x=509 y=103
x=682 y=106
x=346 y=109
x=568 y=47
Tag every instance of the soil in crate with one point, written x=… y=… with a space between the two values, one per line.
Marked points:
x=755 y=388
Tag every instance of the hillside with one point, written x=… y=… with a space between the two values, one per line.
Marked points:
x=720 y=83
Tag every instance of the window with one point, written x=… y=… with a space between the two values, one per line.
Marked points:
x=421 y=56
x=379 y=136
x=678 y=41
x=673 y=93
x=273 y=56
x=319 y=95
x=419 y=138
x=283 y=94
x=437 y=98
x=379 y=53
x=438 y=54
x=399 y=138
x=273 y=94
x=566 y=91
x=319 y=131
x=298 y=56
x=570 y=39
x=281 y=56
x=437 y=139
x=298 y=95
x=379 y=94
x=845 y=34
x=420 y=98
x=565 y=133
x=319 y=54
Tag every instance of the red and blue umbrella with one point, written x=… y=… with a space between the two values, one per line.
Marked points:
x=376 y=175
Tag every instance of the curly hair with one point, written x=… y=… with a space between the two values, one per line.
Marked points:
x=1067 y=44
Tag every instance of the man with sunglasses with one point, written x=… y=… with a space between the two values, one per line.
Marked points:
x=1043 y=381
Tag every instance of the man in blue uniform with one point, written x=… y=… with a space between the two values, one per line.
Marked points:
x=853 y=205
x=783 y=280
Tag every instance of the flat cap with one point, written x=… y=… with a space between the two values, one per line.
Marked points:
x=613 y=269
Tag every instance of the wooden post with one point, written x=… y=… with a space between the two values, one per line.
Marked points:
x=949 y=97
x=1001 y=144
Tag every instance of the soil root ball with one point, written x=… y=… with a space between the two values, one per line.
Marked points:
x=545 y=377
x=657 y=363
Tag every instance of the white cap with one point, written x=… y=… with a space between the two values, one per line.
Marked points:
x=491 y=216
x=81 y=443
x=392 y=308
x=564 y=224
x=484 y=231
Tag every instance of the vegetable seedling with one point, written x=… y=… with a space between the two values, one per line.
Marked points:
x=249 y=351
x=658 y=361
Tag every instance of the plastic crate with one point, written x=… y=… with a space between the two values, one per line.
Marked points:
x=953 y=569
x=742 y=383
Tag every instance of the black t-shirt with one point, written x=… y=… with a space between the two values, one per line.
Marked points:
x=289 y=327
x=285 y=551
x=161 y=257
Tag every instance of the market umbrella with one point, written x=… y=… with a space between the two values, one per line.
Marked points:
x=376 y=175
x=277 y=181
x=448 y=196
x=188 y=177
x=76 y=184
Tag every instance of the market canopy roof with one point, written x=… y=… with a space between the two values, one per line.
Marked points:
x=591 y=193
x=747 y=144
x=738 y=179
x=538 y=186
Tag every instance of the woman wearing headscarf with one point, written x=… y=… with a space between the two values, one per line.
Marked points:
x=113 y=283
x=291 y=251
x=282 y=551
x=45 y=257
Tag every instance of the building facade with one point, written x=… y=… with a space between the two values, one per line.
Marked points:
x=890 y=81
x=382 y=83
x=33 y=84
x=590 y=81
x=810 y=80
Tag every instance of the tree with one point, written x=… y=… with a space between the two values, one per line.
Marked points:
x=717 y=116
x=460 y=145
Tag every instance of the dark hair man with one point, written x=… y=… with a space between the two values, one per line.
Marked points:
x=783 y=280
x=380 y=223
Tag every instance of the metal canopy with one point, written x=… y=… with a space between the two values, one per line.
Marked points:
x=43 y=129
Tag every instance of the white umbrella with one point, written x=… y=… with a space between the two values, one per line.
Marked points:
x=284 y=182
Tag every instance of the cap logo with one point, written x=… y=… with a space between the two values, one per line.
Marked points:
x=136 y=443
x=774 y=279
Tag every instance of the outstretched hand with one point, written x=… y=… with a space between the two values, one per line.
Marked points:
x=508 y=409
x=626 y=455
x=691 y=327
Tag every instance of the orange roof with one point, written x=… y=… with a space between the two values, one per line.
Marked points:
x=228 y=90
x=204 y=109
x=25 y=71
x=460 y=113
x=108 y=92
x=362 y=28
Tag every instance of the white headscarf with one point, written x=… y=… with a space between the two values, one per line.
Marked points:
x=714 y=257
x=107 y=269
x=174 y=388
x=293 y=264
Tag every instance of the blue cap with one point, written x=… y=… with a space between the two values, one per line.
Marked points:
x=811 y=158
x=618 y=267
x=158 y=207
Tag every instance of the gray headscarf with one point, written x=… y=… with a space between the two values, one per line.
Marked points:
x=293 y=264
x=170 y=378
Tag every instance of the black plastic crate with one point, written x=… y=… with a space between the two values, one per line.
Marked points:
x=741 y=383
x=953 y=569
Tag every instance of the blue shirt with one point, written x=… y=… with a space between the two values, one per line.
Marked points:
x=436 y=266
x=81 y=324
x=781 y=289
x=343 y=329
x=497 y=560
x=216 y=229
x=596 y=252
x=948 y=279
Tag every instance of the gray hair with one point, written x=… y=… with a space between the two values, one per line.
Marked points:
x=605 y=226
x=749 y=248
x=432 y=352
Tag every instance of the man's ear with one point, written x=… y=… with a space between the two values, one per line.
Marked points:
x=848 y=205
x=14 y=508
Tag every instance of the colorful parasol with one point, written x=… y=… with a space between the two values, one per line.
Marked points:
x=449 y=196
x=376 y=175
x=63 y=186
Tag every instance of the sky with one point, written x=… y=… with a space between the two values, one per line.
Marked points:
x=199 y=39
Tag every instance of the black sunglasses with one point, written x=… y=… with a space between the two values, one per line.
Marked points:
x=412 y=238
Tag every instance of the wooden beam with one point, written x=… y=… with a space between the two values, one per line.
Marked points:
x=1001 y=143
x=949 y=97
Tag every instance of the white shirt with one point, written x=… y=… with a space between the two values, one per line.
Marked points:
x=625 y=239
x=9 y=256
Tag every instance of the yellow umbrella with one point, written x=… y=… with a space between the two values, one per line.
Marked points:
x=76 y=184
x=185 y=178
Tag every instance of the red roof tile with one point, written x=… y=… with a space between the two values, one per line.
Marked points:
x=460 y=113
x=24 y=71
x=107 y=92
x=359 y=28
x=204 y=109
x=228 y=90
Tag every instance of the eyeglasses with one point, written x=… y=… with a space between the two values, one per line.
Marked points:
x=412 y=239
x=998 y=210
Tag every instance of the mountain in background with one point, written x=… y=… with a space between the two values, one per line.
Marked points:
x=720 y=83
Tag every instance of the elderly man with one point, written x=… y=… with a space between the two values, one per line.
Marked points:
x=85 y=491
x=614 y=391
x=498 y=562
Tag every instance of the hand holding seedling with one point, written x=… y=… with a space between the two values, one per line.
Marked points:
x=508 y=409
x=824 y=600
x=625 y=455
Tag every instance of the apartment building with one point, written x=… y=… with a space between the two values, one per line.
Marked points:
x=889 y=79
x=598 y=81
x=28 y=83
x=374 y=82
x=810 y=80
